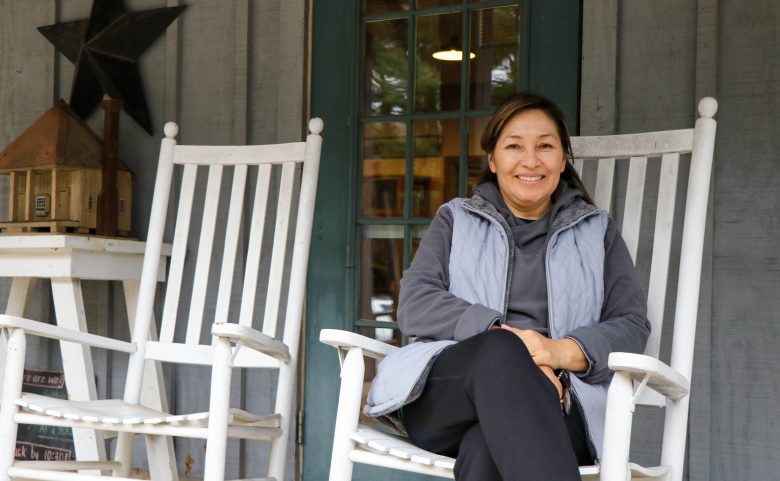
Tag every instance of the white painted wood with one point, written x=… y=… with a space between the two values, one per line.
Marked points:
x=662 y=245
x=203 y=355
x=159 y=450
x=205 y=248
x=178 y=253
x=633 y=145
x=128 y=416
x=239 y=154
x=246 y=336
x=634 y=372
x=257 y=227
x=578 y=164
x=632 y=213
x=76 y=361
x=604 y=182
x=231 y=244
x=283 y=210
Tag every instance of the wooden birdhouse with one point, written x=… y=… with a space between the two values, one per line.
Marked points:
x=53 y=177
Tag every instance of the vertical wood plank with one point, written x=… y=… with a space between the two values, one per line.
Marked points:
x=604 y=184
x=231 y=244
x=635 y=191
x=179 y=253
x=254 y=253
x=281 y=228
x=205 y=247
x=598 y=104
x=662 y=242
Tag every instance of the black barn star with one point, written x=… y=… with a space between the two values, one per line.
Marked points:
x=105 y=49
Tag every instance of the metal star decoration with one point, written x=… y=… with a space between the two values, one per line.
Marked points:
x=105 y=49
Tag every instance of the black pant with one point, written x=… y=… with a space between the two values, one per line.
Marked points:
x=487 y=404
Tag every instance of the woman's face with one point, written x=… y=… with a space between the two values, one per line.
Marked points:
x=528 y=161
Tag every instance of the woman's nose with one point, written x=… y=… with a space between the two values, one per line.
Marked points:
x=529 y=158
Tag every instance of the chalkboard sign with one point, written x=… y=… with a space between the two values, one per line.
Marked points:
x=44 y=443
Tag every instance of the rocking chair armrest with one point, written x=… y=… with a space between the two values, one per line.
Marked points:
x=662 y=377
x=346 y=340
x=252 y=339
x=42 y=329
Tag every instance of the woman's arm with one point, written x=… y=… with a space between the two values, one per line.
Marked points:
x=624 y=326
x=426 y=309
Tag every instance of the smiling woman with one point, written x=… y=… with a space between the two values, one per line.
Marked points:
x=528 y=161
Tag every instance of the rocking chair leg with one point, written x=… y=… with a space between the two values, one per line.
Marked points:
x=216 y=442
x=12 y=389
x=617 y=431
x=352 y=372
x=124 y=453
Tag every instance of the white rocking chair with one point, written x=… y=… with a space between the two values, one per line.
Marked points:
x=229 y=345
x=639 y=379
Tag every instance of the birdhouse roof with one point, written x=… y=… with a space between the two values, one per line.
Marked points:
x=59 y=138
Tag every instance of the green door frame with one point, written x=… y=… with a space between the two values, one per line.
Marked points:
x=554 y=70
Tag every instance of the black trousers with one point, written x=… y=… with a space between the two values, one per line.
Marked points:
x=487 y=404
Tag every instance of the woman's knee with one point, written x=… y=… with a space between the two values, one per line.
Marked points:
x=499 y=347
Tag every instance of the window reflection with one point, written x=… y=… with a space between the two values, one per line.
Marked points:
x=384 y=169
x=437 y=82
x=477 y=160
x=436 y=158
x=386 y=67
x=382 y=266
x=494 y=71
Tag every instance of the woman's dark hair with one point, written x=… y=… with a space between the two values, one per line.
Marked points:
x=523 y=102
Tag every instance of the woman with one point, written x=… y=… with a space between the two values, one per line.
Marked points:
x=513 y=295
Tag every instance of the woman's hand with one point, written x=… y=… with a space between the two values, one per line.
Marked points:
x=553 y=379
x=553 y=353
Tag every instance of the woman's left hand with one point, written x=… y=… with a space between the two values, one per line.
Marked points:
x=555 y=353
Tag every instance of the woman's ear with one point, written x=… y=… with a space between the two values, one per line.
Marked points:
x=491 y=164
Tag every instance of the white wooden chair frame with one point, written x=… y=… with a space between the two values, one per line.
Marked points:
x=639 y=378
x=233 y=344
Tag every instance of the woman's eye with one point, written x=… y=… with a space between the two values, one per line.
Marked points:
x=546 y=146
x=512 y=147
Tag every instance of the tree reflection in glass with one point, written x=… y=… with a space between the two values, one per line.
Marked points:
x=386 y=67
x=495 y=70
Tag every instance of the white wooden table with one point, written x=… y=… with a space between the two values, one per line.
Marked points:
x=66 y=260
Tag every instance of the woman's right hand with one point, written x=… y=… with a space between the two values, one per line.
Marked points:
x=553 y=379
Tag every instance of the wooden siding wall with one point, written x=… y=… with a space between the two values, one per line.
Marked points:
x=645 y=65
x=230 y=72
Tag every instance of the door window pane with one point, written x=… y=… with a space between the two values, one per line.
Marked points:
x=436 y=159
x=381 y=268
x=494 y=39
x=477 y=160
x=386 y=67
x=437 y=82
x=384 y=169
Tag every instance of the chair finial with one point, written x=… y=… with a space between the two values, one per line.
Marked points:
x=316 y=125
x=171 y=129
x=707 y=107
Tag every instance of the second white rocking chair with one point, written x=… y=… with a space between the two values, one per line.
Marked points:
x=638 y=379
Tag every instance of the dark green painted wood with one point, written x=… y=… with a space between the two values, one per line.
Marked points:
x=554 y=63
x=333 y=38
x=553 y=71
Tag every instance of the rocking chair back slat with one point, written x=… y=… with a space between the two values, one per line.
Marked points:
x=256 y=230
x=635 y=193
x=178 y=254
x=604 y=183
x=232 y=234
x=662 y=243
x=281 y=227
x=205 y=248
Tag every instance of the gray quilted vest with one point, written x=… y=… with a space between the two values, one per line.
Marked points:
x=480 y=270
